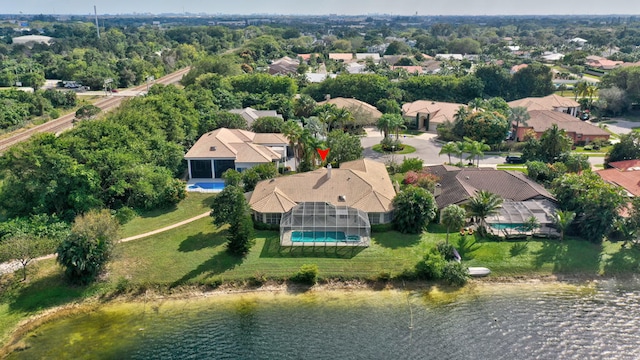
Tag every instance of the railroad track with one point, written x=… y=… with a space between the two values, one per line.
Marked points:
x=66 y=122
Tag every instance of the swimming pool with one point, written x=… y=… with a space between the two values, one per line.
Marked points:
x=507 y=226
x=322 y=236
x=210 y=186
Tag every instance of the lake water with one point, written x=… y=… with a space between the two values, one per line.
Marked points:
x=482 y=321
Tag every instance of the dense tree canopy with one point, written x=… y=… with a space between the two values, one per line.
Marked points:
x=414 y=208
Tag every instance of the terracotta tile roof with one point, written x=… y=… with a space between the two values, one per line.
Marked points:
x=626 y=165
x=364 y=184
x=341 y=56
x=354 y=105
x=410 y=69
x=629 y=180
x=458 y=185
x=241 y=145
x=440 y=111
x=542 y=120
x=549 y=102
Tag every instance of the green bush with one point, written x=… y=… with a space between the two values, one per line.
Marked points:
x=54 y=114
x=446 y=250
x=125 y=214
x=455 y=273
x=308 y=274
x=262 y=226
x=431 y=267
x=411 y=164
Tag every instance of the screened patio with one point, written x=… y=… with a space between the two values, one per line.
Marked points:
x=320 y=224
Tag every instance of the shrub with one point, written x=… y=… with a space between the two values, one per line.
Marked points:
x=427 y=181
x=446 y=250
x=125 y=214
x=411 y=164
x=389 y=144
x=308 y=274
x=54 y=114
x=455 y=273
x=431 y=266
x=258 y=225
x=410 y=178
x=379 y=228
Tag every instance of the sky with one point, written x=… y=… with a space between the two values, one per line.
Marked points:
x=323 y=7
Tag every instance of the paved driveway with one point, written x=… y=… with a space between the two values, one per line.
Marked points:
x=427 y=149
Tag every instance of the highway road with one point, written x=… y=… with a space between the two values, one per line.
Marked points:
x=66 y=122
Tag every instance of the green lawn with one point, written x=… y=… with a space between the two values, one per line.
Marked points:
x=408 y=149
x=195 y=254
x=193 y=205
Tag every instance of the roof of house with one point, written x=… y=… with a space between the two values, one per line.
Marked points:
x=251 y=114
x=628 y=179
x=549 y=102
x=285 y=65
x=626 y=165
x=541 y=120
x=457 y=185
x=363 y=184
x=439 y=111
x=241 y=145
x=410 y=69
x=450 y=56
x=516 y=68
x=364 y=56
x=32 y=38
x=354 y=105
x=341 y=56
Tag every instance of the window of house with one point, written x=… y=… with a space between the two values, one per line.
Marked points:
x=273 y=218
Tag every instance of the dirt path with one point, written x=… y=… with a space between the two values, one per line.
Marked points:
x=12 y=266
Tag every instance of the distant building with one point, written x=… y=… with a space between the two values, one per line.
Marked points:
x=251 y=114
x=284 y=66
x=549 y=102
x=33 y=39
x=427 y=115
x=576 y=129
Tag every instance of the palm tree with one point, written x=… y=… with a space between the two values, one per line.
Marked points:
x=475 y=149
x=483 y=205
x=461 y=114
x=563 y=219
x=477 y=104
x=580 y=89
x=591 y=91
x=453 y=217
x=461 y=147
x=341 y=116
x=293 y=132
x=384 y=124
x=449 y=148
x=519 y=114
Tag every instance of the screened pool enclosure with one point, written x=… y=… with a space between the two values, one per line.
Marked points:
x=323 y=224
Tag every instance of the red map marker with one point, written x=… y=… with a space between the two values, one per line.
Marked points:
x=323 y=153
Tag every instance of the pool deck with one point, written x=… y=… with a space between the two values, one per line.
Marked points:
x=286 y=241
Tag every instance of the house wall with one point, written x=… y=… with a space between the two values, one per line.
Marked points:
x=574 y=136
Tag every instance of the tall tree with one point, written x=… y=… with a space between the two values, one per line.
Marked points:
x=483 y=205
x=85 y=253
x=449 y=148
x=414 y=207
x=453 y=217
x=554 y=142
x=293 y=132
x=231 y=207
x=23 y=248
x=519 y=115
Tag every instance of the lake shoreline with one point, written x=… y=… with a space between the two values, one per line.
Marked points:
x=15 y=342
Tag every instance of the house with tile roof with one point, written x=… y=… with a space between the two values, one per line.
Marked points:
x=284 y=66
x=522 y=196
x=549 y=102
x=362 y=184
x=578 y=130
x=251 y=115
x=625 y=174
x=346 y=57
x=363 y=112
x=427 y=115
x=222 y=149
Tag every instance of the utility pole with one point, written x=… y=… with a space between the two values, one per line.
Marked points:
x=95 y=12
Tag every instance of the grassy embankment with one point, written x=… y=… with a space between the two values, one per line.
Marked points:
x=194 y=254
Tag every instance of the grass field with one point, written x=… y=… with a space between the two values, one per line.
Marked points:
x=195 y=254
x=408 y=149
x=193 y=205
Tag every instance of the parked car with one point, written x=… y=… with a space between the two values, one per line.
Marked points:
x=514 y=160
x=584 y=116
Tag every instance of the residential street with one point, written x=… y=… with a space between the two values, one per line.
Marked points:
x=427 y=149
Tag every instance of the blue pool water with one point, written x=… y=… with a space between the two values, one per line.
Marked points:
x=207 y=186
x=322 y=236
x=507 y=226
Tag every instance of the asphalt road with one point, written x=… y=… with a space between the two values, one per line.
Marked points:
x=427 y=149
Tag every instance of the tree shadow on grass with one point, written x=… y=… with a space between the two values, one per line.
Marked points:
x=272 y=249
x=625 y=261
x=519 y=248
x=396 y=240
x=572 y=256
x=466 y=246
x=218 y=264
x=159 y=212
x=202 y=241
x=45 y=292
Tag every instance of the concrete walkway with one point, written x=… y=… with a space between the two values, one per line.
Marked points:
x=11 y=266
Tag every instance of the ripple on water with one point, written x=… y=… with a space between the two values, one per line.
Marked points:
x=488 y=322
